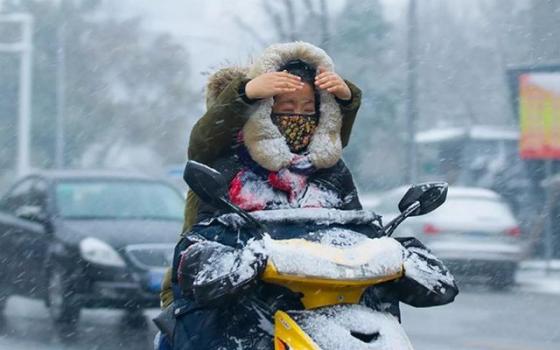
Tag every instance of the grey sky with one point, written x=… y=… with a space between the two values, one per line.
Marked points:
x=208 y=29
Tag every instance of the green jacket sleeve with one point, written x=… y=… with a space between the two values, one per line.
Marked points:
x=211 y=137
x=349 y=110
x=191 y=209
x=214 y=134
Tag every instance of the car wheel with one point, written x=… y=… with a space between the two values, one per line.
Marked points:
x=504 y=278
x=3 y=300
x=134 y=318
x=63 y=308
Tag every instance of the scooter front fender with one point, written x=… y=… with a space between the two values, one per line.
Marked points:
x=337 y=327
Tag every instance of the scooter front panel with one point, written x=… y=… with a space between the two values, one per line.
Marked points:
x=366 y=259
x=353 y=327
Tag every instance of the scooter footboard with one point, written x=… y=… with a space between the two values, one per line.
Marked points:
x=339 y=327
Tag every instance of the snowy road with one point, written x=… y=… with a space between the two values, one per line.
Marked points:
x=480 y=319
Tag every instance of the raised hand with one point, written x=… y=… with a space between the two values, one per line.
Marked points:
x=333 y=83
x=271 y=84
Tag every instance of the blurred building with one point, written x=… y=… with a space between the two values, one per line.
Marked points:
x=478 y=156
x=483 y=156
x=488 y=156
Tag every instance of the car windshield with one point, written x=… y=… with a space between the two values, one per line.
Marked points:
x=118 y=200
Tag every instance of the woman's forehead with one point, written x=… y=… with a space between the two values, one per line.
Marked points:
x=304 y=95
x=295 y=99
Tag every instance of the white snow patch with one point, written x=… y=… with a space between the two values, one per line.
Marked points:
x=549 y=81
x=319 y=216
x=417 y=268
x=316 y=197
x=265 y=322
x=539 y=281
x=553 y=264
x=361 y=258
x=257 y=192
x=242 y=263
x=212 y=170
x=338 y=237
x=477 y=132
x=331 y=328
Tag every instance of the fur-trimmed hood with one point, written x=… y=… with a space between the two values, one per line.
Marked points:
x=262 y=138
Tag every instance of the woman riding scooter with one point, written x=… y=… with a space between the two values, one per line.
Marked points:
x=214 y=136
x=288 y=156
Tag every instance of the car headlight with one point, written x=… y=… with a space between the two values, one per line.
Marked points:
x=99 y=252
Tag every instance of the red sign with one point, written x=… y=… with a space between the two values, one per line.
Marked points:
x=539 y=107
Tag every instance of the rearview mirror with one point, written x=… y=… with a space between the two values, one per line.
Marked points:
x=207 y=183
x=430 y=195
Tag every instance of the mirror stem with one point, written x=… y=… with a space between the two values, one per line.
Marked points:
x=261 y=229
x=391 y=226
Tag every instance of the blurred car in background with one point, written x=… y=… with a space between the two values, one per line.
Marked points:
x=370 y=200
x=82 y=239
x=174 y=175
x=474 y=232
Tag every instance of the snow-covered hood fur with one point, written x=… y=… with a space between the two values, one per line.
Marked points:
x=262 y=138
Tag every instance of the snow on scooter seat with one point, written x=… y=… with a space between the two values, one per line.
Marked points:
x=319 y=216
x=353 y=327
x=336 y=254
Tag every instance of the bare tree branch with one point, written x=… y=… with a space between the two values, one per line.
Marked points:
x=291 y=19
x=276 y=19
x=250 y=30
x=310 y=8
x=325 y=35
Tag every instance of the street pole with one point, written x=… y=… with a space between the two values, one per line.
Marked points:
x=411 y=108
x=60 y=96
x=548 y=218
x=24 y=48
x=24 y=158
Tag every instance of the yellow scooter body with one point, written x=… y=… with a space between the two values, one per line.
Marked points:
x=288 y=334
x=319 y=291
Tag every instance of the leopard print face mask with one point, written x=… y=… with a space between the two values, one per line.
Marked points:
x=296 y=128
